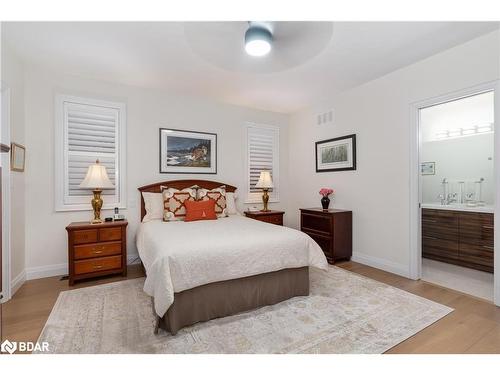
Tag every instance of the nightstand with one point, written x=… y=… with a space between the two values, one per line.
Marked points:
x=96 y=249
x=331 y=229
x=273 y=217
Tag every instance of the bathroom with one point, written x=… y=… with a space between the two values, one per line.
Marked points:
x=457 y=180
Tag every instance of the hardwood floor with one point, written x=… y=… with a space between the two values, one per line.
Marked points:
x=474 y=326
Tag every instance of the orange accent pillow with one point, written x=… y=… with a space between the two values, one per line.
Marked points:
x=200 y=210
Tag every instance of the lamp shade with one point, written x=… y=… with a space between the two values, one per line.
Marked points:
x=97 y=178
x=265 y=180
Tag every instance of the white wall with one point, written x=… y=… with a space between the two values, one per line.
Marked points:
x=147 y=110
x=378 y=192
x=461 y=159
x=12 y=76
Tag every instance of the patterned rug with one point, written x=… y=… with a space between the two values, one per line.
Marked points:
x=344 y=313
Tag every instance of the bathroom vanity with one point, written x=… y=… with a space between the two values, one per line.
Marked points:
x=458 y=234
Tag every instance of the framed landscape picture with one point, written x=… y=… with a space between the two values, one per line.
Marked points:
x=183 y=151
x=337 y=154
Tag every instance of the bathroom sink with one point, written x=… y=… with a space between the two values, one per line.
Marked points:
x=459 y=207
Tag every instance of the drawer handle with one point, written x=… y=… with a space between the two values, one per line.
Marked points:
x=488 y=226
x=488 y=247
x=97 y=252
x=429 y=221
x=97 y=267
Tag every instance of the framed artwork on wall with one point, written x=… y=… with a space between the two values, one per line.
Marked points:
x=428 y=168
x=17 y=157
x=336 y=154
x=183 y=151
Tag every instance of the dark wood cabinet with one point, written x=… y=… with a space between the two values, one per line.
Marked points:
x=272 y=217
x=96 y=249
x=457 y=237
x=331 y=229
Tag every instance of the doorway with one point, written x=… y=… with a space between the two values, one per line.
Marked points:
x=453 y=195
x=5 y=290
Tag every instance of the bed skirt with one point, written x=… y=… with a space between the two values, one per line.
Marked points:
x=224 y=298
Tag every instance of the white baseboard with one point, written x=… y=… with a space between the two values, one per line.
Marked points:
x=383 y=264
x=17 y=282
x=46 y=271
x=33 y=273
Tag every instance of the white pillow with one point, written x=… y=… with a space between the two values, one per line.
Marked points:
x=153 y=203
x=231 y=204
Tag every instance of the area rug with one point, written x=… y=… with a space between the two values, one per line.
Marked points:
x=344 y=313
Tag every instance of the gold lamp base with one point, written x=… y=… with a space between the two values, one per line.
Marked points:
x=97 y=205
x=265 y=200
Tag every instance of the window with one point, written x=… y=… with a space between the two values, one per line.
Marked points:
x=87 y=130
x=262 y=155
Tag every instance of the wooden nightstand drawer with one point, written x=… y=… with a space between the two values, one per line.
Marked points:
x=85 y=236
x=319 y=223
x=98 y=264
x=271 y=217
x=110 y=234
x=325 y=242
x=97 y=250
x=278 y=220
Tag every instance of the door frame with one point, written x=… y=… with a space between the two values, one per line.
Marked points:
x=5 y=101
x=415 y=266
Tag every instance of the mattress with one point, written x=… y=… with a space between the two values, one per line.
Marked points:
x=181 y=255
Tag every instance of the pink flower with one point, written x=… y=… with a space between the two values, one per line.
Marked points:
x=326 y=192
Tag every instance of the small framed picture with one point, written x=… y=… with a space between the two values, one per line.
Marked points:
x=337 y=154
x=428 y=168
x=17 y=157
x=183 y=151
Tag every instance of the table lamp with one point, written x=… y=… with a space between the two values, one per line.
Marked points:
x=265 y=183
x=97 y=179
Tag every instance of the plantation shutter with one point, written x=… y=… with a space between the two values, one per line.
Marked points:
x=91 y=134
x=262 y=156
x=87 y=130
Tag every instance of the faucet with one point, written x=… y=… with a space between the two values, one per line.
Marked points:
x=451 y=198
x=447 y=199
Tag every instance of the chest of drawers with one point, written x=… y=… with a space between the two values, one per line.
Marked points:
x=331 y=229
x=96 y=250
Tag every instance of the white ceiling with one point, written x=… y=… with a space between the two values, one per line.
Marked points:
x=311 y=61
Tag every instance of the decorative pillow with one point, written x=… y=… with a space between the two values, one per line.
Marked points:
x=231 y=204
x=153 y=203
x=174 y=201
x=218 y=195
x=200 y=210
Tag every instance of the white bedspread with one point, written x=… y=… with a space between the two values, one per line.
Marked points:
x=182 y=255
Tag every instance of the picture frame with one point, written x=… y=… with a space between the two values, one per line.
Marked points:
x=336 y=154
x=428 y=168
x=187 y=152
x=17 y=157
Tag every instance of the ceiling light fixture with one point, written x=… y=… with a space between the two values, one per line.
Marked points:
x=258 y=40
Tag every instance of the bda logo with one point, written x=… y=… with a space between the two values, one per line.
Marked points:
x=8 y=347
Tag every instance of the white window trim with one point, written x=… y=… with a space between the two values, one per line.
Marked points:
x=274 y=194
x=60 y=168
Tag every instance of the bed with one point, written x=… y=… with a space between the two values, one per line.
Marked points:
x=197 y=271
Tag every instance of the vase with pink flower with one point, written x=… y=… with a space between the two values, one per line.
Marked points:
x=325 y=201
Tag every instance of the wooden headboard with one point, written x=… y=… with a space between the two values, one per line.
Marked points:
x=180 y=184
